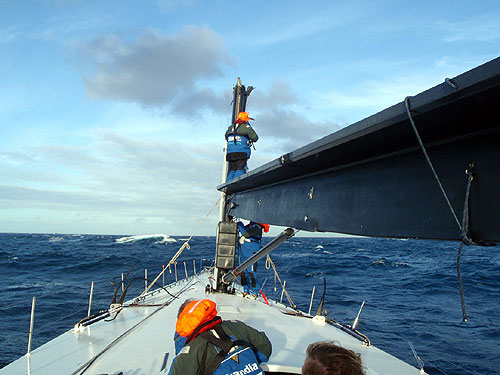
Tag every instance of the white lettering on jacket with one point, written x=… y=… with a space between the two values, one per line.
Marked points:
x=249 y=368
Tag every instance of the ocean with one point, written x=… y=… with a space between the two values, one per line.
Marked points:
x=410 y=287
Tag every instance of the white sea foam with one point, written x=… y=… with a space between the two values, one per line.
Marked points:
x=162 y=238
x=399 y=264
x=56 y=239
x=40 y=284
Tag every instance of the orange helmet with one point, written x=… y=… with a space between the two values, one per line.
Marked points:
x=265 y=226
x=243 y=116
x=194 y=314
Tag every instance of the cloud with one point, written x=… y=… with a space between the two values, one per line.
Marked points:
x=280 y=94
x=10 y=34
x=156 y=70
x=372 y=95
x=169 y=184
x=168 y=6
x=192 y=102
x=15 y=157
x=290 y=129
x=278 y=116
x=299 y=22
x=479 y=29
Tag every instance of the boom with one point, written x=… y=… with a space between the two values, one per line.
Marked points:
x=372 y=178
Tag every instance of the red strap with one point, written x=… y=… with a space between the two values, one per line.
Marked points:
x=207 y=326
x=264 y=297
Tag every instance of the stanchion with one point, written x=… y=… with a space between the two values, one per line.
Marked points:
x=32 y=321
x=90 y=299
x=163 y=275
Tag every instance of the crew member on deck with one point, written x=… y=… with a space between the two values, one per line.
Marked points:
x=250 y=243
x=240 y=136
x=205 y=344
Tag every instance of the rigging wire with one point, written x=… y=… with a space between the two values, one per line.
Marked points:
x=54 y=324
x=6 y=307
x=464 y=227
x=452 y=364
x=269 y=264
x=89 y=363
x=431 y=364
x=181 y=249
x=408 y=111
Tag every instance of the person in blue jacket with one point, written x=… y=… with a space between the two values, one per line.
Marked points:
x=250 y=243
x=240 y=137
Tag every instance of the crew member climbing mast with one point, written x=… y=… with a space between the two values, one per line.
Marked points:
x=240 y=96
x=227 y=231
x=240 y=135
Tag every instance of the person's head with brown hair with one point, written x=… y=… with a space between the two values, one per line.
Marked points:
x=326 y=358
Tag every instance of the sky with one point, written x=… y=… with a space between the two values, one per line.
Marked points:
x=113 y=113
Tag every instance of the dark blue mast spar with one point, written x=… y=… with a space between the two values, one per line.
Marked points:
x=239 y=104
x=240 y=96
x=227 y=231
x=372 y=178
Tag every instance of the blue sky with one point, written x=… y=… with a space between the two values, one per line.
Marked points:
x=112 y=114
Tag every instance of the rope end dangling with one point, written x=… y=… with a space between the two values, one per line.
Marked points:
x=466 y=240
x=461 y=289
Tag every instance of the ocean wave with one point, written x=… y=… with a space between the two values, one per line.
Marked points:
x=314 y=274
x=385 y=262
x=321 y=249
x=31 y=285
x=162 y=238
x=390 y=275
x=399 y=264
x=381 y=261
x=56 y=239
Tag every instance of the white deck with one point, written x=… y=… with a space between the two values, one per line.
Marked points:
x=138 y=339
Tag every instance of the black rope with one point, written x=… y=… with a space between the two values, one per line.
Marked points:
x=407 y=103
x=464 y=227
x=162 y=287
x=465 y=219
x=465 y=239
x=462 y=301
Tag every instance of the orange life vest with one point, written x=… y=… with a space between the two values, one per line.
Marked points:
x=194 y=314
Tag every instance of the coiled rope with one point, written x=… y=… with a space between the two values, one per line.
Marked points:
x=181 y=249
x=269 y=264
